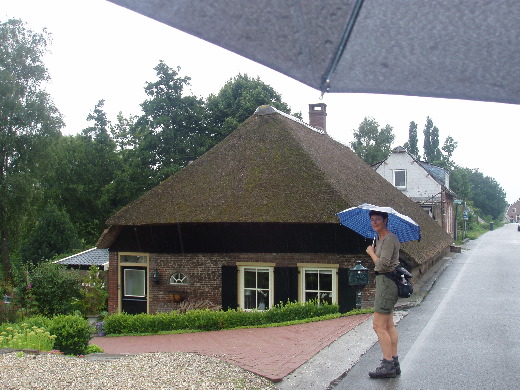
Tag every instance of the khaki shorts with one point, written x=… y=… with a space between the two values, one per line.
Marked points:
x=386 y=295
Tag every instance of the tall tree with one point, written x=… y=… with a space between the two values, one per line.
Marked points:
x=427 y=143
x=29 y=121
x=371 y=143
x=171 y=131
x=236 y=101
x=436 y=152
x=412 y=145
x=432 y=152
x=84 y=166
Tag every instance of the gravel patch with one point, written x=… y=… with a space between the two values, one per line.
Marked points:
x=20 y=371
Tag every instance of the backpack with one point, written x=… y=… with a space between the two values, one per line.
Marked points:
x=401 y=278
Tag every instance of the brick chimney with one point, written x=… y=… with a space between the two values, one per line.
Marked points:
x=318 y=116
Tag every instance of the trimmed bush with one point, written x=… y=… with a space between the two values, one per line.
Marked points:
x=72 y=334
x=207 y=320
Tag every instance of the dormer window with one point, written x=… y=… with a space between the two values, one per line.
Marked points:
x=400 y=179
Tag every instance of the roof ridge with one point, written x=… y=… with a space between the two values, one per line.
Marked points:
x=264 y=110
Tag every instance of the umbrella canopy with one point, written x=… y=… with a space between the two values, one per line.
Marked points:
x=463 y=49
x=357 y=219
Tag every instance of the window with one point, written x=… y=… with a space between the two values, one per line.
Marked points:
x=179 y=278
x=255 y=287
x=133 y=259
x=400 y=178
x=135 y=283
x=318 y=282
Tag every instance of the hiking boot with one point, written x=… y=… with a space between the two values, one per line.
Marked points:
x=385 y=370
x=397 y=365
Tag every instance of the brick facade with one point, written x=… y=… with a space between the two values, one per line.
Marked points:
x=204 y=272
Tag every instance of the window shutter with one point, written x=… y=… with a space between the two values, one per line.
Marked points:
x=285 y=284
x=229 y=287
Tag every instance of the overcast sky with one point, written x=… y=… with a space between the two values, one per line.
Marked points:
x=103 y=51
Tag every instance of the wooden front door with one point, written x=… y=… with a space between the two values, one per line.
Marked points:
x=134 y=297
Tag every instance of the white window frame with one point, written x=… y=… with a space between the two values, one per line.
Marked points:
x=178 y=278
x=405 y=178
x=304 y=268
x=242 y=268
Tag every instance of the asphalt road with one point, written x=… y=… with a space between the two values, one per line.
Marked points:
x=466 y=333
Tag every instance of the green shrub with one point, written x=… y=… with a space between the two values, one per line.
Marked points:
x=93 y=348
x=72 y=334
x=23 y=336
x=207 y=320
x=51 y=289
x=39 y=321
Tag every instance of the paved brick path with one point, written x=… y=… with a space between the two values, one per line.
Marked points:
x=269 y=352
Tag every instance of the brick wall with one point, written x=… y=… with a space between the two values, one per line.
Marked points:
x=205 y=278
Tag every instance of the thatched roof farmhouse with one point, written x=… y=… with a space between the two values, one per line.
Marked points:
x=263 y=199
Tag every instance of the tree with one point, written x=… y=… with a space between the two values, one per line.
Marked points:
x=448 y=148
x=436 y=156
x=487 y=195
x=427 y=143
x=371 y=143
x=432 y=152
x=483 y=191
x=460 y=182
x=171 y=131
x=83 y=167
x=237 y=101
x=29 y=122
x=412 y=145
x=53 y=235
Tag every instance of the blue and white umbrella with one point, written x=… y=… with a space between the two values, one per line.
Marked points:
x=357 y=219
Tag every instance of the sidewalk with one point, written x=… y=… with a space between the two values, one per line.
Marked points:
x=270 y=352
x=305 y=356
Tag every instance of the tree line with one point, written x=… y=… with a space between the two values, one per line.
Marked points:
x=374 y=144
x=57 y=191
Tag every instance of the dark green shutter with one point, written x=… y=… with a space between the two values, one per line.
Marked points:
x=229 y=287
x=285 y=284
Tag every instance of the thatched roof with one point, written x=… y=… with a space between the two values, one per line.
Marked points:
x=273 y=168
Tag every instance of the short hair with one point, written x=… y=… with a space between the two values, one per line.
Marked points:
x=380 y=213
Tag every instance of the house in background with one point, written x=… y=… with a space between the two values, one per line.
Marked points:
x=84 y=260
x=513 y=212
x=252 y=223
x=424 y=183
